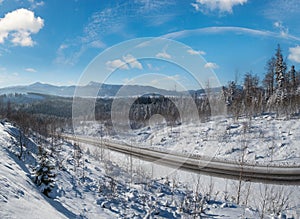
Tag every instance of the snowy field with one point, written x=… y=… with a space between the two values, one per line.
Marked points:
x=263 y=140
x=86 y=187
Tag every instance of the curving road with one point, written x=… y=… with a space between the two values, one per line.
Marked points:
x=246 y=172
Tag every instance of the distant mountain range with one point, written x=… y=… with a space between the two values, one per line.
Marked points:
x=92 y=88
x=40 y=88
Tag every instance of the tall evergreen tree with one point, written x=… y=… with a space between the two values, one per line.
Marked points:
x=280 y=68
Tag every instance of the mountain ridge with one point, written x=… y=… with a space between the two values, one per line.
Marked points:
x=91 y=89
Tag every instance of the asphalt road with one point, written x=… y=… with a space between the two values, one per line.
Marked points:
x=212 y=167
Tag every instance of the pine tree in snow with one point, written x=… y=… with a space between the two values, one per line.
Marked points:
x=280 y=97
x=280 y=68
x=44 y=176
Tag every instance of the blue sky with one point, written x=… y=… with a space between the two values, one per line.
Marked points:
x=53 y=41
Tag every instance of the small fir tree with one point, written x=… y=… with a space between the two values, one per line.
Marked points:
x=44 y=175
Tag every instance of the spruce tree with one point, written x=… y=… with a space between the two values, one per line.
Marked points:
x=280 y=68
x=44 y=176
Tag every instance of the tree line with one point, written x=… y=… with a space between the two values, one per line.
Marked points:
x=278 y=92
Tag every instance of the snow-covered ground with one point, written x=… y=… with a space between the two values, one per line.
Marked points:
x=88 y=187
x=263 y=140
x=19 y=197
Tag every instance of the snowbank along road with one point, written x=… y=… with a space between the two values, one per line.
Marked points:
x=224 y=169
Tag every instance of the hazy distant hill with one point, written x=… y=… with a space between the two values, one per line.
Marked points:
x=103 y=90
x=40 y=88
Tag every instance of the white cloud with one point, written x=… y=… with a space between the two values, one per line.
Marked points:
x=30 y=70
x=282 y=9
x=67 y=54
x=61 y=59
x=113 y=20
x=116 y=64
x=155 y=12
x=194 y=52
x=284 y=31
x=22 y=38
x=132 y=61
x=196 y=6
x=35 y=4
x=100 y=23
x=163 y=55
x=152 y=5
x=294 y=54
x=127 y=62
x=211 y=65
x=153 y=68
x=63 y=46
x=220 y=5
x=154 y=82
x=3 y=36
x=17 y=26
x=1 y=1
x=173 y=77
x=97 y=44
x=277 y=24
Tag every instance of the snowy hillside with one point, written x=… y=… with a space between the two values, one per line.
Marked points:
x=263 y=140
x=86 y=187
x=19 y=196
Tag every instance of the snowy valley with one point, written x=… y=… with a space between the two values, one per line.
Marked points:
x=90 y=183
